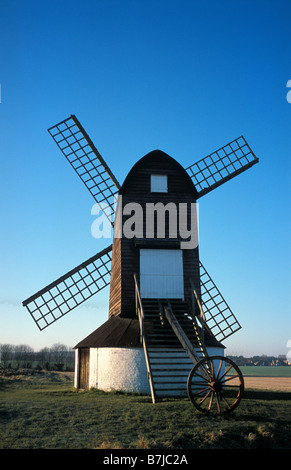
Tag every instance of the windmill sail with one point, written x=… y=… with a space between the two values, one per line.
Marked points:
x=70 y=290
x=218 y=315
x=83 y=156
x=221 y=166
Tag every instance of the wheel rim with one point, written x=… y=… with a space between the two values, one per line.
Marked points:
x=215 y=385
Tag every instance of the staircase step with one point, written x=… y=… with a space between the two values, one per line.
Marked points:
x=170 y=368
x=170 y=364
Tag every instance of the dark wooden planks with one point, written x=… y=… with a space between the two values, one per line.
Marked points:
x=125 y=255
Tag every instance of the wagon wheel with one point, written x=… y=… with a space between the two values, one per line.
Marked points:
x=215 y=384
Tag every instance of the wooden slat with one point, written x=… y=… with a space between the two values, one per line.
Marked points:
x=126 y=252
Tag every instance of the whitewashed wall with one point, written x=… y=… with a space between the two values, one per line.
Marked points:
x=123 y=369
x=118 y=369
x=76 y=368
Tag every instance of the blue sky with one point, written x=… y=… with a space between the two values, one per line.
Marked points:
x=182 y=76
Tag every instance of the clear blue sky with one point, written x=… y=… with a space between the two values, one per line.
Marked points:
x=182 y=76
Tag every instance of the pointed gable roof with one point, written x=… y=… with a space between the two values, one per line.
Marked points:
x=157 y=160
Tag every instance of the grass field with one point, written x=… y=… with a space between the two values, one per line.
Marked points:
x=266 y=371
x=43 y=411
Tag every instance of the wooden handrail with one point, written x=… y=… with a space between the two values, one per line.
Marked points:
x=195 y=297
x=182 y=337
x=139 y=309
x=201 y=315
x=140 y=315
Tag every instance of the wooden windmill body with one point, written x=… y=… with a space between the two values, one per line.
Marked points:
x=165 y=312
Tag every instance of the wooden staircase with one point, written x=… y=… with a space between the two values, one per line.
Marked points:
x=169 y=363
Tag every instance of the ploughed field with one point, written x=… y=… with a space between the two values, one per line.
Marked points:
x=276 y=378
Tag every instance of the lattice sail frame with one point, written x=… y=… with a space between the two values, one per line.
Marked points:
x=221 y=166
x=81 y=153
x=218 y=315
x=69 y=291
x=79 y=284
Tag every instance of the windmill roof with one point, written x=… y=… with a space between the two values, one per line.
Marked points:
x=118 y=332
x=158 y=158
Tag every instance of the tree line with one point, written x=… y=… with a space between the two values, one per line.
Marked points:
x=61 y=358
x=263 y=360
x=58 y=357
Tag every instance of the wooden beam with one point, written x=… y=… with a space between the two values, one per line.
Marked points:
x=178 y=330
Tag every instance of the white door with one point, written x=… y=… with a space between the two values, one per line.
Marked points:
x=161 y=274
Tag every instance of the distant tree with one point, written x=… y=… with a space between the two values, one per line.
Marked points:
x=43 y=357
x=59 y=355
x=28 y=356
x=23 y=355
x=6 y=354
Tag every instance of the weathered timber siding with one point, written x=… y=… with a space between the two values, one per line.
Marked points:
x=84 y=367
x=115 y=281
x=125 y=255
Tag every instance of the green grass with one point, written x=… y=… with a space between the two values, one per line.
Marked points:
x=45 y=412
x=266 y=371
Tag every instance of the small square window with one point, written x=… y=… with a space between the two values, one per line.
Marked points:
x=159 y=184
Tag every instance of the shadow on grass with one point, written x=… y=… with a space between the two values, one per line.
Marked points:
x=266 y=395
x=3 y=385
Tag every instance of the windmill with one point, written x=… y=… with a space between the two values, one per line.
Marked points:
x=166 y=315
